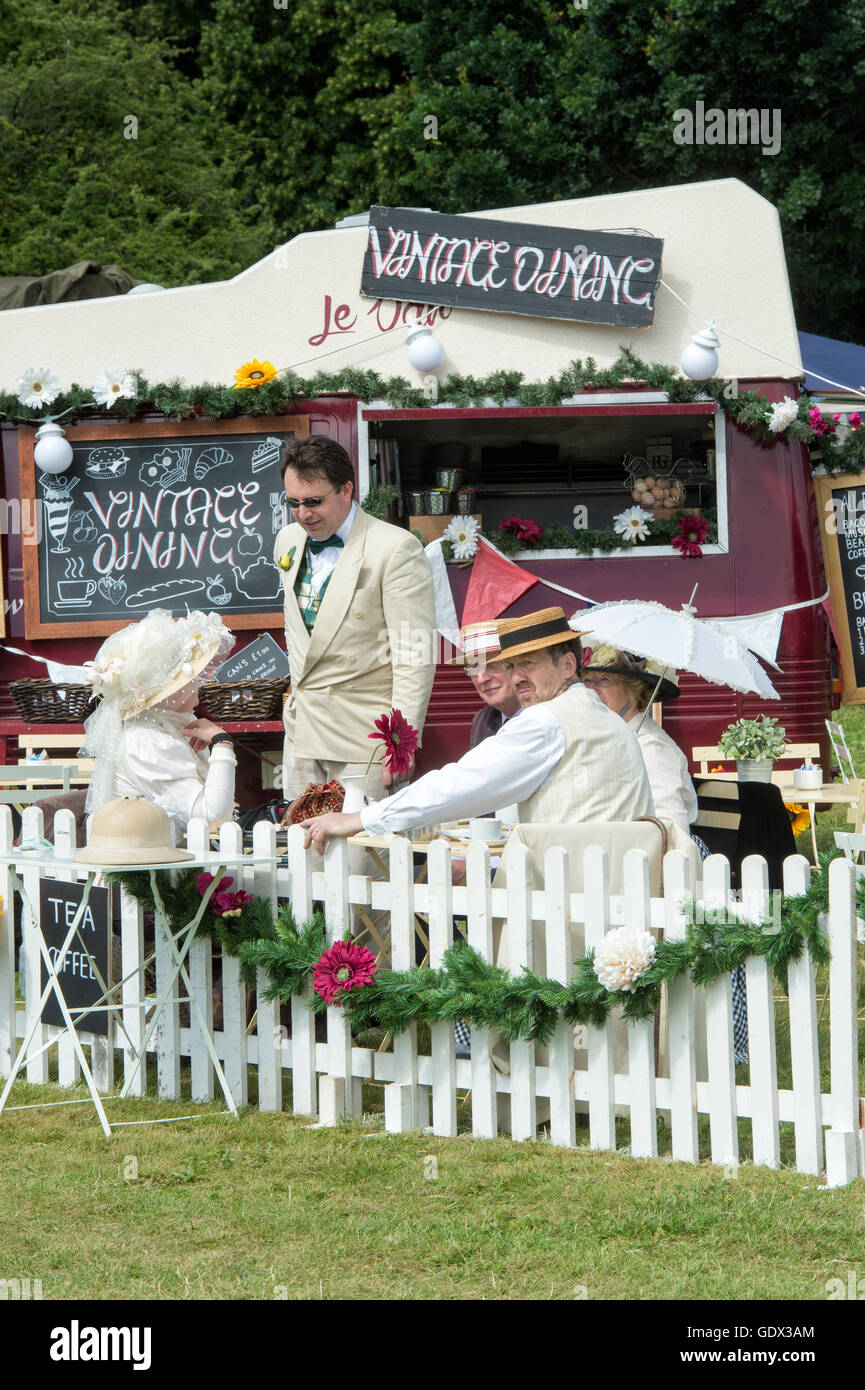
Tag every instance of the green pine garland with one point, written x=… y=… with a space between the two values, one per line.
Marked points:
x=279 y=396
x=525 y=1006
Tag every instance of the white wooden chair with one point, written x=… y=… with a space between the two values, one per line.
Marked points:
x=62 y=752
x=793 y=752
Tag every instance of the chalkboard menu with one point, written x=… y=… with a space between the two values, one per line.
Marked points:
x=470 y=262
x=58 y=904
x=171 y=515
x=841 y=508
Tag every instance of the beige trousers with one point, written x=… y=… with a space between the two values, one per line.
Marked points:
x=297 y=773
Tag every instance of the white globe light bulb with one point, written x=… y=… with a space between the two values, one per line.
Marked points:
x=700 y=358
x=53 y=452
x=425 y=353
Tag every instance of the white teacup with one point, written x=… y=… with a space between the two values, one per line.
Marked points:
x=807 y=777
x=485 y=828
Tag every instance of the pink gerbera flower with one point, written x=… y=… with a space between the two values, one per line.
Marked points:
x=204 y=881
x=523 y=528
x=342 y=967
x=400 y=741
x=693 y=531
x=230 y=904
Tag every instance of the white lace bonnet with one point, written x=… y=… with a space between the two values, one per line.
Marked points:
x=142 y=664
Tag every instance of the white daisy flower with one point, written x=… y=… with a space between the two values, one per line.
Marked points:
x=783 y=414
x=37 y=387
x=632 y=524
x=462 y=533
x=110 y=386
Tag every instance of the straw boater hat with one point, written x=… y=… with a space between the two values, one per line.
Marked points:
x=612 y=662
x=533 y=631
x=130 y=831
x=480 y=645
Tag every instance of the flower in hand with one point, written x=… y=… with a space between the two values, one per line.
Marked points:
x=400 y=742
x=342 y=967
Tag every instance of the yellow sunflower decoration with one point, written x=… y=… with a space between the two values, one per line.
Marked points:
x=800 y=817
x=253 y=373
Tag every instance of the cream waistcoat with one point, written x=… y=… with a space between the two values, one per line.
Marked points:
x=602 y=775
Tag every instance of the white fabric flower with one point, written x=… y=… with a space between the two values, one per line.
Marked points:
x=37 y=387
x=783 y=414
x=623 y=956
x=111 y=386
x=462 y=533
x=632 y=525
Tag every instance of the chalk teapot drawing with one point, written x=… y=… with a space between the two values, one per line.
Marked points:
x=259 y=580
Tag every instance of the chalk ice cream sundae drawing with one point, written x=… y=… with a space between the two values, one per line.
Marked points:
x=58 y=506
x=106 y=463
x=166 y=467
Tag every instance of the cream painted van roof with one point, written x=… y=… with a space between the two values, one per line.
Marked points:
x=723 y=253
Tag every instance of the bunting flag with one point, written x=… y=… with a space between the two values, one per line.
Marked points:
x=496 y=582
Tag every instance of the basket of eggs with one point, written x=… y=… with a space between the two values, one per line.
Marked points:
x=662 y=494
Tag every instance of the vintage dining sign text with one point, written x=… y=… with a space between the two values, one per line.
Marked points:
x=511 y=267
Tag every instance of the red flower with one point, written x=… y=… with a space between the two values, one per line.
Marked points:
x=230 y=904
x=855 y=421
x=693 y=531
x=342 y=967
x=400 y=741
x=523 y=528
x=204 y=881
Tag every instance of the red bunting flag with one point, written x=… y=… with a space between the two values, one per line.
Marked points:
x=495 y=584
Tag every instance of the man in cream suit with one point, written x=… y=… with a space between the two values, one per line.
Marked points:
x=359 y=620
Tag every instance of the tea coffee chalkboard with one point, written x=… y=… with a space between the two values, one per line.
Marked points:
x=169 y=515
x=841 y=510
x=58 y=904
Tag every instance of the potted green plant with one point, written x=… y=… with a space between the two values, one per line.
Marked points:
x=755 y=744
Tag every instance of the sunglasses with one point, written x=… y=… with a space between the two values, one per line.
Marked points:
x=312 y=502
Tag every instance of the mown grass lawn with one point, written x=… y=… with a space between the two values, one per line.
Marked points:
x=266 y=1208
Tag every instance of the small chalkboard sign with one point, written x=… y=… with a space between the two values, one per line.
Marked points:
x=841 y=508
x=174 y=515
x=260 y=660
x=58 y=904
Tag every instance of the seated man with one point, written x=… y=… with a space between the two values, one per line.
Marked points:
x=566 y=758
x=481 y=659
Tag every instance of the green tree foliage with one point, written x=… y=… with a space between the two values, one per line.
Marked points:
x=296 y=89
x=105 y=154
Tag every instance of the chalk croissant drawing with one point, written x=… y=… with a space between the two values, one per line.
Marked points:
x=209 y=459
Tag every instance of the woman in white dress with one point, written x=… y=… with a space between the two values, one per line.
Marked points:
x=143 y=736
x=626 y=685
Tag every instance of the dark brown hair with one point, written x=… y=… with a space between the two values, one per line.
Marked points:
x=558 y=649
x=316 y=456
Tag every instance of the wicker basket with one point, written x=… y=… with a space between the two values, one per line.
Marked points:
x=242 y=700
x=43 y=702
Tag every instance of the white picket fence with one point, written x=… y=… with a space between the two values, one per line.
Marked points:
x=421 y=1089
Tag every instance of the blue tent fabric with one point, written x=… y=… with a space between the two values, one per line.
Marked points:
x=843 y=362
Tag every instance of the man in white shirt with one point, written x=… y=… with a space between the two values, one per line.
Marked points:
x=566 y=758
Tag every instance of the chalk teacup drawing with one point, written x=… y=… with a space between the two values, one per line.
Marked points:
x=75 y=593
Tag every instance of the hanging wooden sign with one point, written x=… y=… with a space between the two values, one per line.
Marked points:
x=511 y=267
